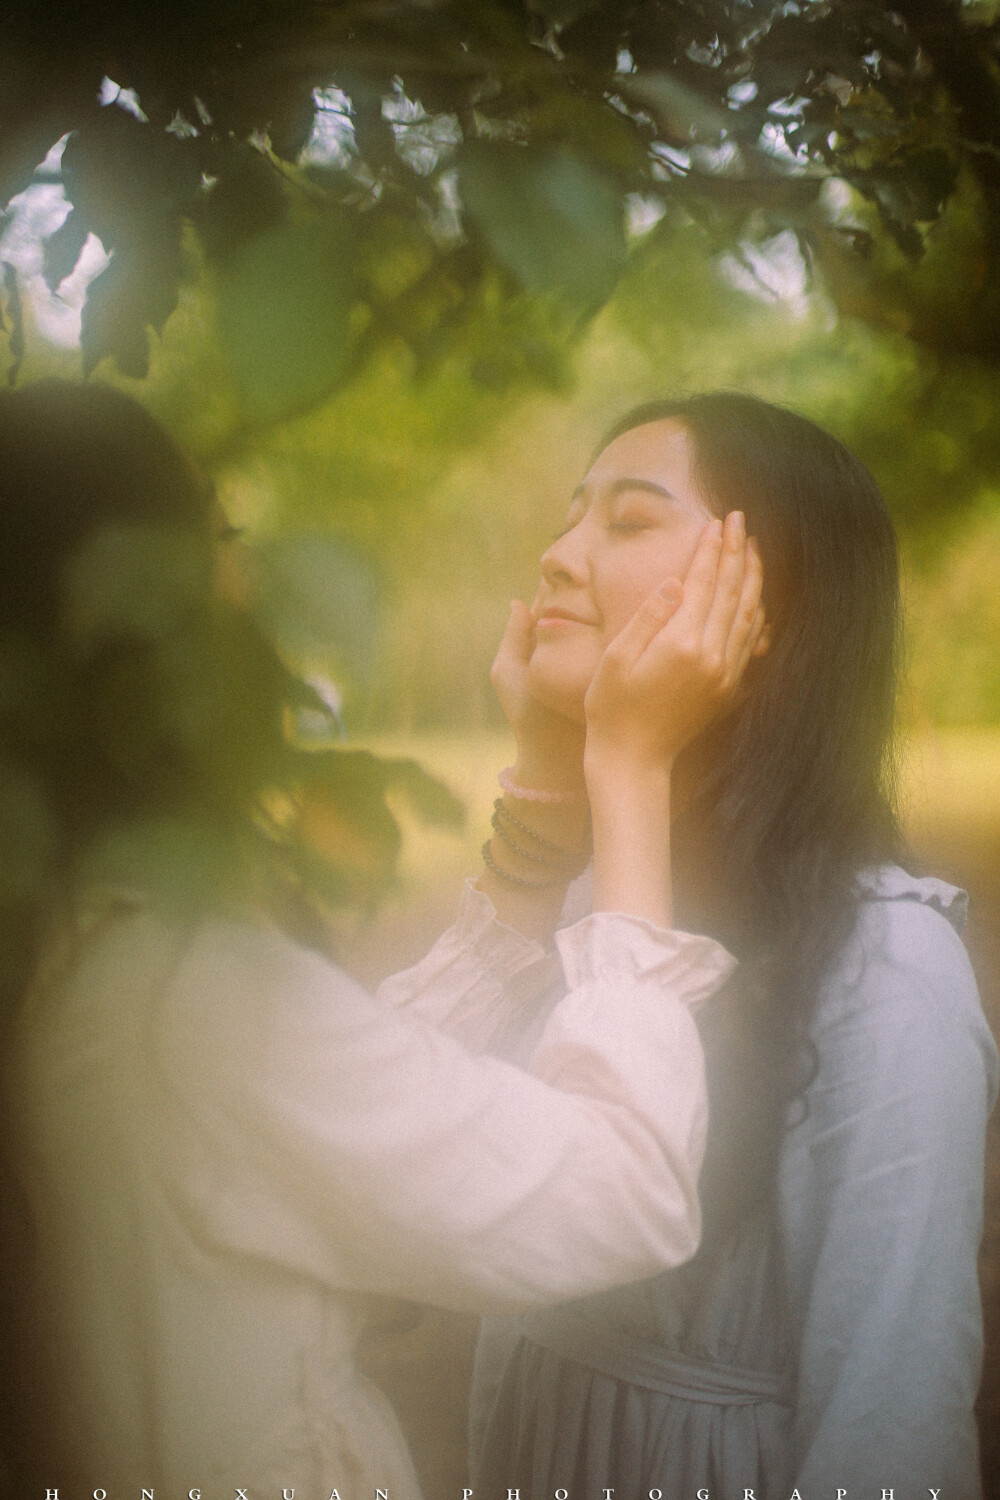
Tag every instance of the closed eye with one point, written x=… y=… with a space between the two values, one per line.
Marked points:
x=626 y=526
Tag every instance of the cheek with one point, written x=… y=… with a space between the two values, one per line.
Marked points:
x=629 y=580
x=622 y=601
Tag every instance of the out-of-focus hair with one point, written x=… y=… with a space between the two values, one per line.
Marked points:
x=74 y=458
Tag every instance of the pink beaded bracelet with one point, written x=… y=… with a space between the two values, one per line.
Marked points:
x=532 y=794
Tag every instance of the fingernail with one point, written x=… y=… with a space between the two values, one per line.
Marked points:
x=716 y=528
x=739 y=523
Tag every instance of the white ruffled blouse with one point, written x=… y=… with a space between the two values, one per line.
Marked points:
x=226 y=1145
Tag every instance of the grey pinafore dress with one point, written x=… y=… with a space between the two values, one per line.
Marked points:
x=831 y=1338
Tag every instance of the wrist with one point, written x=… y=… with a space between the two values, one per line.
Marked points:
x=625 y=774
x=548 y=771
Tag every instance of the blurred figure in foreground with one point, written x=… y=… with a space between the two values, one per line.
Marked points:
x=216 y=1144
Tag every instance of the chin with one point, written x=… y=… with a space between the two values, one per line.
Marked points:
x=558 y=688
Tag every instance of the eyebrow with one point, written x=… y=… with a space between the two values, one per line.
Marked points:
x=619 y=486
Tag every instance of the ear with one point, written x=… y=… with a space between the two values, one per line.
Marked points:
x=762 y=644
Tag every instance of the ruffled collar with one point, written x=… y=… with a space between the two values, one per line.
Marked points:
x=891 y=883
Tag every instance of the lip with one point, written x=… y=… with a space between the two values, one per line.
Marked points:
x=552 y=617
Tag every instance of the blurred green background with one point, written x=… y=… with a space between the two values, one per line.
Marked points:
x=441 y=492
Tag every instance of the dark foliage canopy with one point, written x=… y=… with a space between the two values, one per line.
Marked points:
x=357 y=169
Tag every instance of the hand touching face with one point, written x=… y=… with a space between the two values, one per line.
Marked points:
x=678 y=662
x=634 y=521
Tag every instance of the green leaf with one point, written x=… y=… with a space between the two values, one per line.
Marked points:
x=345 y=822
x=283 y=303
x=915 y=192
x=592 y=128
x=550 y=218
x=315 y=598
x=219 y=699
x=61 y=249
x=359 y=781
x=683 y=112
x=136 y=291
x=428 y=797
x=245 y=199
x=15 y=313
x=128 y=182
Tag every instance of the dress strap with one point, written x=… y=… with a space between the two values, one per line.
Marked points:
x=642 y=1362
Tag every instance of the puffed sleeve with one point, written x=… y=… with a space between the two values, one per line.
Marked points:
x=881 y=1202
x=463 y=985
x=311 y=1125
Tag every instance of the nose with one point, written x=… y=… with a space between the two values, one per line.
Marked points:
x=565 y=561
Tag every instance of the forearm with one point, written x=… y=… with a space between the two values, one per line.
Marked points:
x=531 y=912
x=462 y=985
x=483 y=1185
x=630 y=815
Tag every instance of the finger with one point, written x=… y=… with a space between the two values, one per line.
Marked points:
x=515 y=648
x=749 y=646
x=518 y=639
x=744 y=616
x=649 y=619
x=699 y=581
x=730 y=577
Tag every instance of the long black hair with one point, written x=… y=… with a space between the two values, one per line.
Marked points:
x=795 y=787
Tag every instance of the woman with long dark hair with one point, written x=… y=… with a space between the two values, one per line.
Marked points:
x=827 y=1335
x=216 y=1145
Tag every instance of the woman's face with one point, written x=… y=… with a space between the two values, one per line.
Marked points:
x=634 y=521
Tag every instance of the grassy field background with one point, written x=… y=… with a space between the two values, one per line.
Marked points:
x=950 y=797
